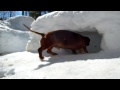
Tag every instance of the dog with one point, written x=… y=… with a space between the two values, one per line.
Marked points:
x=61 y=39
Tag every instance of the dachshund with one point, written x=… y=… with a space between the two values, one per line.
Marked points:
x=61 y=39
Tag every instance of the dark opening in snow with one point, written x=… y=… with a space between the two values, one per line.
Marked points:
x=95 y=40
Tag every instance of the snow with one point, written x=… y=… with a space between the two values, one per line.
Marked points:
x=18 y=21
x=13 y=36
x=106 y=23
x=13 y=41
x=102 y=61
x=26 y=65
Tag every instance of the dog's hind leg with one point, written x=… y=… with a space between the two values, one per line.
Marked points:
x=85 y=49
x=50 y=52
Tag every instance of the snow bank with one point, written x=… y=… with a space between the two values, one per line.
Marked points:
x=17 y=22
x=12 y=41
x=13 y=35
x=105 y=23
x=3 y=25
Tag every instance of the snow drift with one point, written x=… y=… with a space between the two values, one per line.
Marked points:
x=13 y=37
x=105 y=25
x=13 y=41
x=18 y=21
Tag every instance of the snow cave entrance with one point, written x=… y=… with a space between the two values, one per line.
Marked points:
x=95 y=40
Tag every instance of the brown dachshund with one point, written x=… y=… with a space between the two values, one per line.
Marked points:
x=61 y=39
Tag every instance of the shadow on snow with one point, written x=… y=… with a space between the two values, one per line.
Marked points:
x=79 y=57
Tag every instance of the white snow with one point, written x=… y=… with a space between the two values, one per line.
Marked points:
x=26 y=65
x=13 y=41
x=102 y=27
x=13 y=35
x=107 y=24
x=18 y=21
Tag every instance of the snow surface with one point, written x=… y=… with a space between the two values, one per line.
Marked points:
x=107 y=24
x=13 y=35
x=26 y=65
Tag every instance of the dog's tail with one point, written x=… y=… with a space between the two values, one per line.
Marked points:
x=42 y=34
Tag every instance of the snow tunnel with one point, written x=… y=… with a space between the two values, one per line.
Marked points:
x=105 y=36
x=95 y=40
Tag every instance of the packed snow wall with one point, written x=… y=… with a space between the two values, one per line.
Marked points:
x=13 y=35
x=101 y=26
